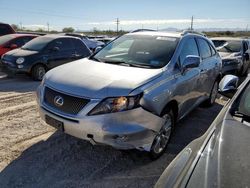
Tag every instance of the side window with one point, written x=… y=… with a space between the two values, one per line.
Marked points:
x=189 y=48
x=18 y=41
x=212 y=50
x=204 y=49
x=63 y=44
x=5 y=29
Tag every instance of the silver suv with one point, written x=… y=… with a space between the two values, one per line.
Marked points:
x=131 y=93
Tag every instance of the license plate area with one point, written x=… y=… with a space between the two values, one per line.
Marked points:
x=54 y=123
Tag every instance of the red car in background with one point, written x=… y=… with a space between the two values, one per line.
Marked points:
x=12 y=41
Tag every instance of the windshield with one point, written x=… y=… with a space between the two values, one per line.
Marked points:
x=5 y=38
x=134 y=50
x=227 y=45
x=241 y=107
x=37 y=44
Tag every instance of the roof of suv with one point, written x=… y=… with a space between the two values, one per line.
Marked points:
x=55 y=36
x=166 y=34
x=156 y=33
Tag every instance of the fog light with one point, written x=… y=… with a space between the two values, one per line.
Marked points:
x=20 y=66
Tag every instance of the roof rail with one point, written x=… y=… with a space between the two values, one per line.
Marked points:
x=185 y=32
x=141 y=30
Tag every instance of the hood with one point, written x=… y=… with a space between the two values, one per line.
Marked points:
x=98 y=80
x=21 y=52
x=227 y=55
x=225 y=162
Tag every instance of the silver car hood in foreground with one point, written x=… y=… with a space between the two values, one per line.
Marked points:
x=225 y=161
x=226 y=55
x=98 y=80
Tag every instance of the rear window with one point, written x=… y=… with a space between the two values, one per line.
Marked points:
x=5 y=29
x=228 y=45
x=79 y=45
x=218 y=43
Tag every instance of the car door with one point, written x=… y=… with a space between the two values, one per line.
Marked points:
x=59 y=52
x=187 y=81
x=208 y=66
x=80 y=49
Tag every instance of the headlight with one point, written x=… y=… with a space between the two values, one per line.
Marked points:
x=20 y=60
x=116 y=104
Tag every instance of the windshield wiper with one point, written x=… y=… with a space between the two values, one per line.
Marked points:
x=143 y=65
x=241 y=115
x=130 y=64
x=117 y=62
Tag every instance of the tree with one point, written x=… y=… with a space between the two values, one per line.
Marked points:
x=68 y=30
x=39 y=30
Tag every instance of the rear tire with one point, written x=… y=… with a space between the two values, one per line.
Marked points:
x=38 y=72
x=243 y=72
x=162 y=139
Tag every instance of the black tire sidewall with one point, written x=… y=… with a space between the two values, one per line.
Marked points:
x=154 y=155
x=35 y=72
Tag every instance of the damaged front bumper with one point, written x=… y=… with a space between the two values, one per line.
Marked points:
x=130 y=129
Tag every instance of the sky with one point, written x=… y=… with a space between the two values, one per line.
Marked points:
x=132 y=14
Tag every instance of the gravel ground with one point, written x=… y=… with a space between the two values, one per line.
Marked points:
x=33 y=154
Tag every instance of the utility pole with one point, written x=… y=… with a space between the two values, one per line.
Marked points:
x=247 y=28
x=21 y=26
x=48 y=26
x=192 y=22
x=117 y=25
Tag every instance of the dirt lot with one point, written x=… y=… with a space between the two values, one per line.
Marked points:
x=32 y=154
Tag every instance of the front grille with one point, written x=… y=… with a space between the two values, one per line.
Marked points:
x=71 y=104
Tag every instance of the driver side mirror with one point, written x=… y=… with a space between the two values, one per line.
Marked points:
x=191 y=61
x=228 y=85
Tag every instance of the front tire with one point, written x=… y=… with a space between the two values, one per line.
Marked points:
x=162 y=139
x=213 y=94
x=38 y=72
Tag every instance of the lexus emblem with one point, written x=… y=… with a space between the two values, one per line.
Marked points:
x=58 y=101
